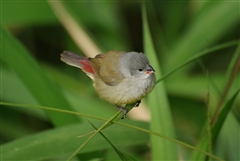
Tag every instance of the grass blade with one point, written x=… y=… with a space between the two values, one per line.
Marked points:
x=108 y=123
x=161 y=120
x=121 y=155
x=199 y=55
x=203 y=143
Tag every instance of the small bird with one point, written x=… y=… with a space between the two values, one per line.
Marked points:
x=119 y=77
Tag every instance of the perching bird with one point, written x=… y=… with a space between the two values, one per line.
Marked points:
x=119 y=77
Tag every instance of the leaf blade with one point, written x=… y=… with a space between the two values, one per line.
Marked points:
x=44 y=91
x=161 y=120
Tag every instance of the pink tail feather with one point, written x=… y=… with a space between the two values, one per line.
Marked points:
x=78 y=61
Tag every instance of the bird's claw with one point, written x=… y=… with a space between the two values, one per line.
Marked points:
x=124 y=110
x=137 y=103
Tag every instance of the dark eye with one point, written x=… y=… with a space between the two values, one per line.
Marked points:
x=140 y=70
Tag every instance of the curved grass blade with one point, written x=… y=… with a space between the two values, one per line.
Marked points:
x=199 y=55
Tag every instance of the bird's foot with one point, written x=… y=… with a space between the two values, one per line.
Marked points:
x=124 y=110
x=137 y=103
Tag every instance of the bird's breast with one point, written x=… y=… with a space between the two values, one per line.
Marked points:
x=129 y=91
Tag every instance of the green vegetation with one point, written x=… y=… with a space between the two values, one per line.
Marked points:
x=49 y=109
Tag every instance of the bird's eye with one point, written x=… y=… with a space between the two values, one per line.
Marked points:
x=140 y=70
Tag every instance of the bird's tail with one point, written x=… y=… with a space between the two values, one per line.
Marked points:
x=78 y=61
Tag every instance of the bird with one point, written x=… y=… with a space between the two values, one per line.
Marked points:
x=121 y=78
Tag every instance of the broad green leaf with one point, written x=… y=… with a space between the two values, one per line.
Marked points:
x=61 y=142
x=46 y=92
x=113 y=119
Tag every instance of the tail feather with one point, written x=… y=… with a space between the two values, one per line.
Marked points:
x=72 y=59
x=78 y=61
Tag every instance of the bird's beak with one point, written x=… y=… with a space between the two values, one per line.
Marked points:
x=150 y=70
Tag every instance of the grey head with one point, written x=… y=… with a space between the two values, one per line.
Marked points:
x=133 y=64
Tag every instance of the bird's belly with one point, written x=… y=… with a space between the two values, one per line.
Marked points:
x=127 y=92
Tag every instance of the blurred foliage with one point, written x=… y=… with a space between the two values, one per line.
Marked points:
x=32 y=39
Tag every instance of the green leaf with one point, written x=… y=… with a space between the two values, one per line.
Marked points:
x=107 y=124
x=119 y=115
x=27 y=13
x=203 y=143
x=61 y=142
x=123 y=156
x=201 y=32
x=44 y=91
x=161 y=119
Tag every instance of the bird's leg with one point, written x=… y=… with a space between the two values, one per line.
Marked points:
x=124 y=110
x=137 y=103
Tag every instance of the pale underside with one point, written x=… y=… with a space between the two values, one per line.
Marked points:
x=129 y=91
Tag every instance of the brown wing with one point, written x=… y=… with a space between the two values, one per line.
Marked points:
x=107 y=67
